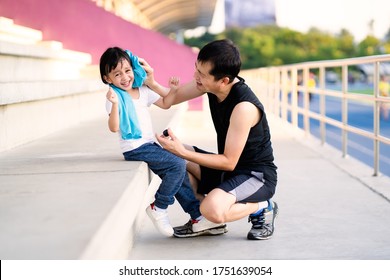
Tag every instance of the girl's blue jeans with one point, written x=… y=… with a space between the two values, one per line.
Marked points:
x=174 y=178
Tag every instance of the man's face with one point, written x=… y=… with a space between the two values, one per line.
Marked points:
x=204 y=81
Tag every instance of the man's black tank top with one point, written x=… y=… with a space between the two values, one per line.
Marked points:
x=258 y=153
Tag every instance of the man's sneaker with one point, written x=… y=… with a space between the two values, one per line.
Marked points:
x=198 y=228
x=160 y=220
x=263 y=225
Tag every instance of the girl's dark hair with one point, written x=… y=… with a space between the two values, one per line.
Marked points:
x=110 y=59
x=224 y=57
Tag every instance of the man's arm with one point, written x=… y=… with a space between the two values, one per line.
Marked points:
x=150 y=81
x=187 y=92
x=165 y=102
x=245 y=115
x=184 y=92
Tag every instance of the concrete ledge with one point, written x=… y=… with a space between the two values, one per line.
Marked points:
x=33 y=91
x=24 y=122
x=44 y=51
x=116 y=235
x=42 y=87
x=18 y=34
x=114 y=238
x=56 y=192
x=32 y=69
x=40 y=62
x=71 y=195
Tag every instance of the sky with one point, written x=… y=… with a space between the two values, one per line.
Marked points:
x=327 y=15
x=332 y=15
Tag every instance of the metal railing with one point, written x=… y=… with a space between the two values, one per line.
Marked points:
x=279 y=87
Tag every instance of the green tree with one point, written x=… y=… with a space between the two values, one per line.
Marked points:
x=369 y=46
x=320 y=45
x=386 y=43
x=268 y=45
x=256 y=49
x=199 y=42
x=346 y=44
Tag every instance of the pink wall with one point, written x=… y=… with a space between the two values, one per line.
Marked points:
x=81 y=25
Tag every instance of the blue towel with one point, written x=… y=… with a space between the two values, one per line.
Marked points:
x=128 y=119
x=139 y=72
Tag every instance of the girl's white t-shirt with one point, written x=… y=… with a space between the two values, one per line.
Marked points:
x=146 y=98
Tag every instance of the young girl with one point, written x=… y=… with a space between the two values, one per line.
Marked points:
x=127 y=105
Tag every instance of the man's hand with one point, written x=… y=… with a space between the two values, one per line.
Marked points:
x=149 y=71
x=171 y=143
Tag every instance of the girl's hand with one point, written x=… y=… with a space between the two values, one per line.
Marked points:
x=174 y=82
x=111 y=96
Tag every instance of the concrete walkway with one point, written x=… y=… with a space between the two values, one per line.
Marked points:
x=330 y=207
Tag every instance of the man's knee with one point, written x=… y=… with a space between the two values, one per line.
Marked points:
x=212 y=213
x=214 y=206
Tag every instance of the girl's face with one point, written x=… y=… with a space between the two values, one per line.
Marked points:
x=122 y=76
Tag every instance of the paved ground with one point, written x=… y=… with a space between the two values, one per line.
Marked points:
x=330 y=208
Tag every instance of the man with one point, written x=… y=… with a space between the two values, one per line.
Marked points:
x=384 y=89
x=241 y=179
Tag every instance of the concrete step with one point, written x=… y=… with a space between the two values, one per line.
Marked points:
x=11 y=32
x=44 y=50
x=42 y=61
x=19 y=92
x=90 y=72
x=31 y=110
x=71 y=195
x=43 y=87
x=58 y=191
x=28 y=58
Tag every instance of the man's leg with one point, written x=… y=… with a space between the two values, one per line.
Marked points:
x=197 y=225
x=194 y=176
x=263 y=222
x=242 y=195
x=221 y=207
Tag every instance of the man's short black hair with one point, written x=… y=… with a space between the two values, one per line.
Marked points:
x=224 y=57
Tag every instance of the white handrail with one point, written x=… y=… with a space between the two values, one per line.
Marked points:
x=275 y=84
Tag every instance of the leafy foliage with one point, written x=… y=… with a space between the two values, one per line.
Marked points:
x=268 y=45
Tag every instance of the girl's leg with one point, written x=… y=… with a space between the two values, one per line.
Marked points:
x=172 y=171
x=170 y=168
